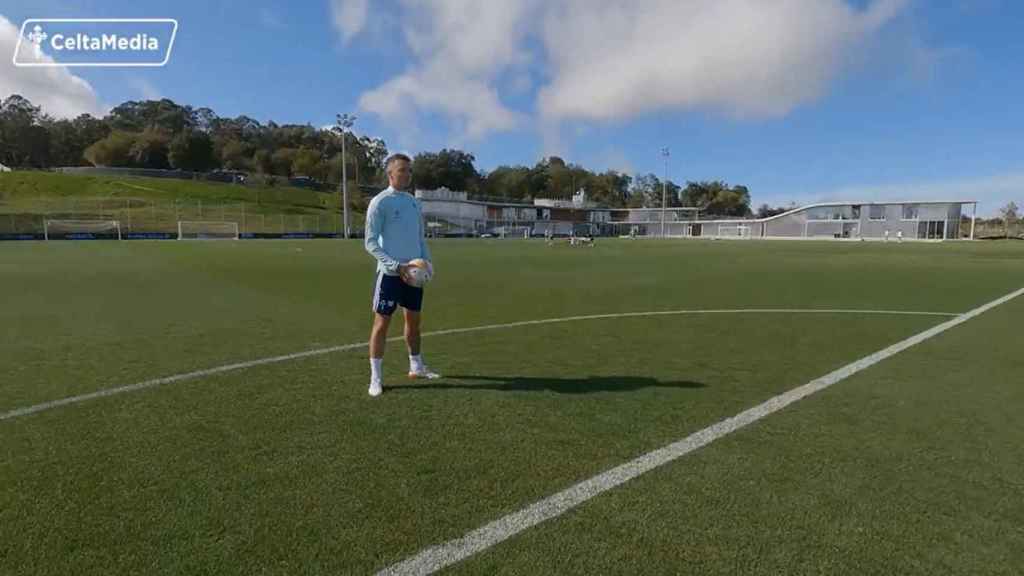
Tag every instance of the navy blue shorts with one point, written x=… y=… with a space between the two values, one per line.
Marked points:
x=389 y=292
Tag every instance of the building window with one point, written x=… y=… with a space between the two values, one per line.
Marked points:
x=819 y=214
x=833 y=213
x=910 y=211
x=876 y=212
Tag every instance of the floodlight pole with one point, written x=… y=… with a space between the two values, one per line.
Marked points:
x=343 y=123
x=664 y=190
x=974 y=217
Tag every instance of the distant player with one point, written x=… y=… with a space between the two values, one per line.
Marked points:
x=899 y=235
x=394 y=236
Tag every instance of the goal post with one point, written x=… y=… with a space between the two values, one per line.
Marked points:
x=191 y=230
x=733 y=231
x=81 y=229
x=646 y=222
x=514 y=232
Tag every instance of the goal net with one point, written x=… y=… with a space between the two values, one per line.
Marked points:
x=207 y=230
x=81 y=229
x=729 y=231
x=513 y=232
x=646 y=222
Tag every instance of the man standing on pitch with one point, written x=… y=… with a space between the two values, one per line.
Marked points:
x=394 y=236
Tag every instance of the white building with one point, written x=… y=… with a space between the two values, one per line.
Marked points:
x=910 y=220
x=454 y=214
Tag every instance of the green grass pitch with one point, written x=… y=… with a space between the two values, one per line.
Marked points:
x=912 y=466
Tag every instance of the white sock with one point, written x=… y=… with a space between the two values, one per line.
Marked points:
x=375 y=368
x=415 y=363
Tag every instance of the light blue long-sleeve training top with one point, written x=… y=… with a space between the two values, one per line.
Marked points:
x=394 y=230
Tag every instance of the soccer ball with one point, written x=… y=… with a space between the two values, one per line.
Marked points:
x=419 y=272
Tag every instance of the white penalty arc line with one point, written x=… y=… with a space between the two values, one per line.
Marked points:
x=437 y=557
x=321 y=351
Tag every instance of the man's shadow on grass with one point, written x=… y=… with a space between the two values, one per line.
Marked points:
x=587 y=385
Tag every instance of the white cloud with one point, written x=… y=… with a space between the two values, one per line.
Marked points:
x=349 y=17
x=471 y=103
x=461 y=47
x=58 y=91
x=612 y=59
x=475 y=38
x=741 y=57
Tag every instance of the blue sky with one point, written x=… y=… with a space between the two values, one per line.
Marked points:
x=822 y=100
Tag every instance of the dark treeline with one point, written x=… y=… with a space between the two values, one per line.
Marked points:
x=162 y=134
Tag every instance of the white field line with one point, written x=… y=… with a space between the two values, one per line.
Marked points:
x=321 y=351
x=437 y=557
x=138 y=187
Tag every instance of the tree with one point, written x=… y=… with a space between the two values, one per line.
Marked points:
x=674 y=195
x=204 y=119
x=717 y=198
x=23 y=140
x=63 y=143
x=610 y=188
x=34 y=144
x=192 y=150
x=241 y=129
x=537 y=181
x=114 y=150
x=507 y=182
x=89 y=130
x=161 y=133
x=306 y=163
x=333 y=169
x=452 y=169
x=136 y=116
x=648 y=189
x=635 y=200
x=766 y=211
x=281 y=161
x=560 y=184
x=16 y=109
x=1010 y=215
x=702 y=194
x=70 y=138
x=150 y=149
x=373 y=152
x=262 y=162
x=559 y=179
x=731 y=202
x=234 y=155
